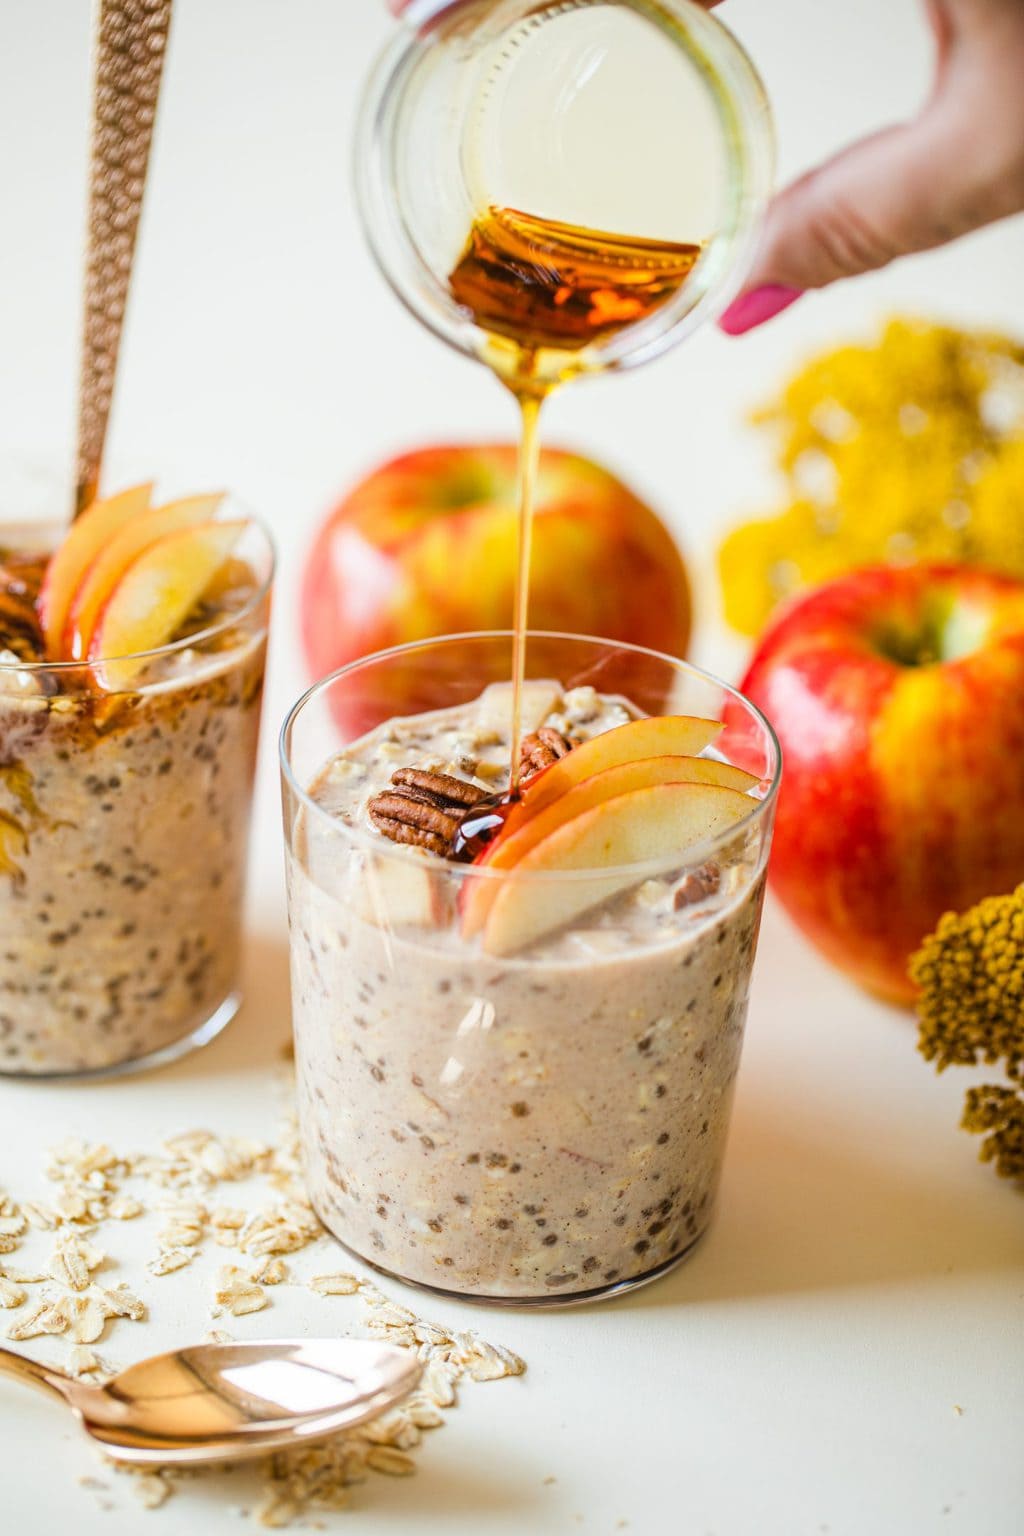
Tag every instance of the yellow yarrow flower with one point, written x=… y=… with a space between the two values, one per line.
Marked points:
x=910 y=449
x=970 y=1009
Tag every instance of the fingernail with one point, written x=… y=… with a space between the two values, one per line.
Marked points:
x=754 y=308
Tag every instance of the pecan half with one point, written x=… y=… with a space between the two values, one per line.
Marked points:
x=424 y=810
x=541 y=748
x=441 y=789
x=698 y=885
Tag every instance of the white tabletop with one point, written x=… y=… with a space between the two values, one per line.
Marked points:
x=844 y=1353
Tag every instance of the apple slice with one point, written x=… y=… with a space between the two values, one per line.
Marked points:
x=81 y=545
x=128 y=542
x=158 y=591
x=509 y=847
x=662 y=820
x=653 y=736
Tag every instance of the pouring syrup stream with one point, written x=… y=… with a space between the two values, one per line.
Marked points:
x=543 y=290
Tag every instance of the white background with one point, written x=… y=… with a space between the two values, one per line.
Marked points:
x=801 y=1375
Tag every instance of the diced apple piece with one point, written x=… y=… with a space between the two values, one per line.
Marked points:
x=494 y=707
x=400 y=892
x=158 y=591
x=82 y=544
x=654 y=736
x=128 y=542
x=665 y=820
x=509 y=847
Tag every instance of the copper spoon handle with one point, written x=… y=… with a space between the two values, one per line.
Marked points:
x=129 y=42
x=23 y=1369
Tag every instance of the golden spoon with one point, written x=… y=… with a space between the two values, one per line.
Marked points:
x=219 y=1402
x=129 y=41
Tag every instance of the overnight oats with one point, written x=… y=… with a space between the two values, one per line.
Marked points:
x=518 y=1023
x=131 y=672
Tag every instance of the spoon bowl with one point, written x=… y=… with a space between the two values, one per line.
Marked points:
x=216 y=1402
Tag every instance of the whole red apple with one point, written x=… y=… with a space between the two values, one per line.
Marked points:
x=898 y=696
x=427 y=544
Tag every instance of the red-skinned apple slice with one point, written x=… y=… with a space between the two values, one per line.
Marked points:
x=127 y=544
x=660 y=821
x=653 y=736
x=157 y=592
x=80 y=547
x=509 y=847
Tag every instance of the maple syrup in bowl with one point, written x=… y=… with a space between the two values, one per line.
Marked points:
x=563 y=188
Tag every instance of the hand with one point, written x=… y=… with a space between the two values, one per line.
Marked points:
x=955 y=167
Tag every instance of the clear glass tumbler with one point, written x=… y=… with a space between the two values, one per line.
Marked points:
x=124 y=826
x=538 y=1128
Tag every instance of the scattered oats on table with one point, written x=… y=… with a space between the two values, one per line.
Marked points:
x=176 y=1185
x=11 y=1294
x=83 y=1361
x=269 y=1271
x=171 y=1259
x=237 y=1294
x=334 y=1285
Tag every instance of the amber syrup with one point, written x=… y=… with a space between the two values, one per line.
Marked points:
x=548 y=285
x=544 y=290
x=482 y=826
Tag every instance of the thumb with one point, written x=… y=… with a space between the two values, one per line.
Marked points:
x=899 y=191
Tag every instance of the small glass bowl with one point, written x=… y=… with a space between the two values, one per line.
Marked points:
x=641 y=116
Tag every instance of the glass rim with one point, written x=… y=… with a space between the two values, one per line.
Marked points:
x=363 y=838
x=172 y=647
x=741 y=103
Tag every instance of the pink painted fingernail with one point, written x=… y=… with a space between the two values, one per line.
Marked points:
x=754 y=308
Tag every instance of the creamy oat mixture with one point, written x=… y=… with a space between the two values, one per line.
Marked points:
x=123 y=832
x=535 y=1127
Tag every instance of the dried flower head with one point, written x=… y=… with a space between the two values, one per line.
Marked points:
x=910 y=448
x=970 y=972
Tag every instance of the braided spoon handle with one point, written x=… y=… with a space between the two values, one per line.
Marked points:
x=129 y=40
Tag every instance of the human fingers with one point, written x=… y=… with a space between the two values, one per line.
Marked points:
x=956 y=167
